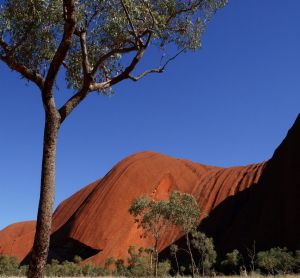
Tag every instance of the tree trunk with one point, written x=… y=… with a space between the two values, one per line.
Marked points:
x=156 y=263
x=191 y=254
x=177 y=264
x=44 y=218
x=156 y=258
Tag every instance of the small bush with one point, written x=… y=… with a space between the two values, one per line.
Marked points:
x=141 y=263
x=276 y=261
x=9 y=266
x=232 y=262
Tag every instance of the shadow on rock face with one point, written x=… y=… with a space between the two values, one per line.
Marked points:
x=66 y=250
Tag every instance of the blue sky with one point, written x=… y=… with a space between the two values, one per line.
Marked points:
x=231 y=103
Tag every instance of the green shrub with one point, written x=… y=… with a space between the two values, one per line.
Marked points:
x=93 y=271
x=141 y=263
x=72 y=269
x=120 y=268
x=206 y=250
x=9 y=266
x=276 y=261
x=232 y=262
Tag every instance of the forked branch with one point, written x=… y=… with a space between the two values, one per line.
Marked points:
x=64 y=46
x=157 y=70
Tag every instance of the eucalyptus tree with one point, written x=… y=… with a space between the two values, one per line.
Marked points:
x=152 y=217
x=206 y=250
x=96 y=44
x=184 y=213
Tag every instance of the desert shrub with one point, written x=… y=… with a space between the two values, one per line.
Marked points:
x=63 y=269
x=9 y=266
x=73 y=269
x=120 y=268
x=93 y=271
x=141 y=263
x=276 y=261
x=232 y=262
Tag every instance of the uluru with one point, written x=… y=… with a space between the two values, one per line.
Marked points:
x=258 y=202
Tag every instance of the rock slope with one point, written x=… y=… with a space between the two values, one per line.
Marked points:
x=256 y=202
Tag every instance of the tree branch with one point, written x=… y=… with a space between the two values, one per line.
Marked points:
x=72 y=103
x=84 y=54
x=106 y=56
x=4 y=45
x=130 y=22
x=137 y=78
x=20 y=68
x=61 y=52
x=122 y=76
x=157 y=70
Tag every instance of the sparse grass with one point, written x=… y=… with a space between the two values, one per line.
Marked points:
x=221 y=276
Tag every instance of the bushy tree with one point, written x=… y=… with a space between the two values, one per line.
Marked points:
x=155 y=217
x=276 y=260
x=96 y=44
x=206 y=250
x=184 y=213
x=152 y=217
x=232 y=262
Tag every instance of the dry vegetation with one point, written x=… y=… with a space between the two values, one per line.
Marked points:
x=231 y=276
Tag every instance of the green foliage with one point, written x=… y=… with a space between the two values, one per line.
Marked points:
x=93 y=271
x=206 y=250
x=9 y=266
x=276 y=260
x=184 y=211
x=151 y=215
x=64 y=269
x=34 y=28
x=232 y=262
x=73 y=269
x=155 y=217
x=120 y=268
x=141 y=263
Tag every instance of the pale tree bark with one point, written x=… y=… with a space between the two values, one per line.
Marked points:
x=190 y=253
x=44 y=219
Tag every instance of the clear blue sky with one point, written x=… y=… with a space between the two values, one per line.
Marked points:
x=229 y=104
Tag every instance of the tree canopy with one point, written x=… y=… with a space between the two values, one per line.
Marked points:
x=110 y=36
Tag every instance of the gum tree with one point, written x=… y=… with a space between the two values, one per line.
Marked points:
x=152 y=217
x=96 y=44
x=185 y=215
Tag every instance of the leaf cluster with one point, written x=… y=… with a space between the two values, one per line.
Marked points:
x=180 y=210
x=31 y=31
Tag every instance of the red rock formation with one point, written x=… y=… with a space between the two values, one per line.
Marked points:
x=17 y=239
x=95 y=222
